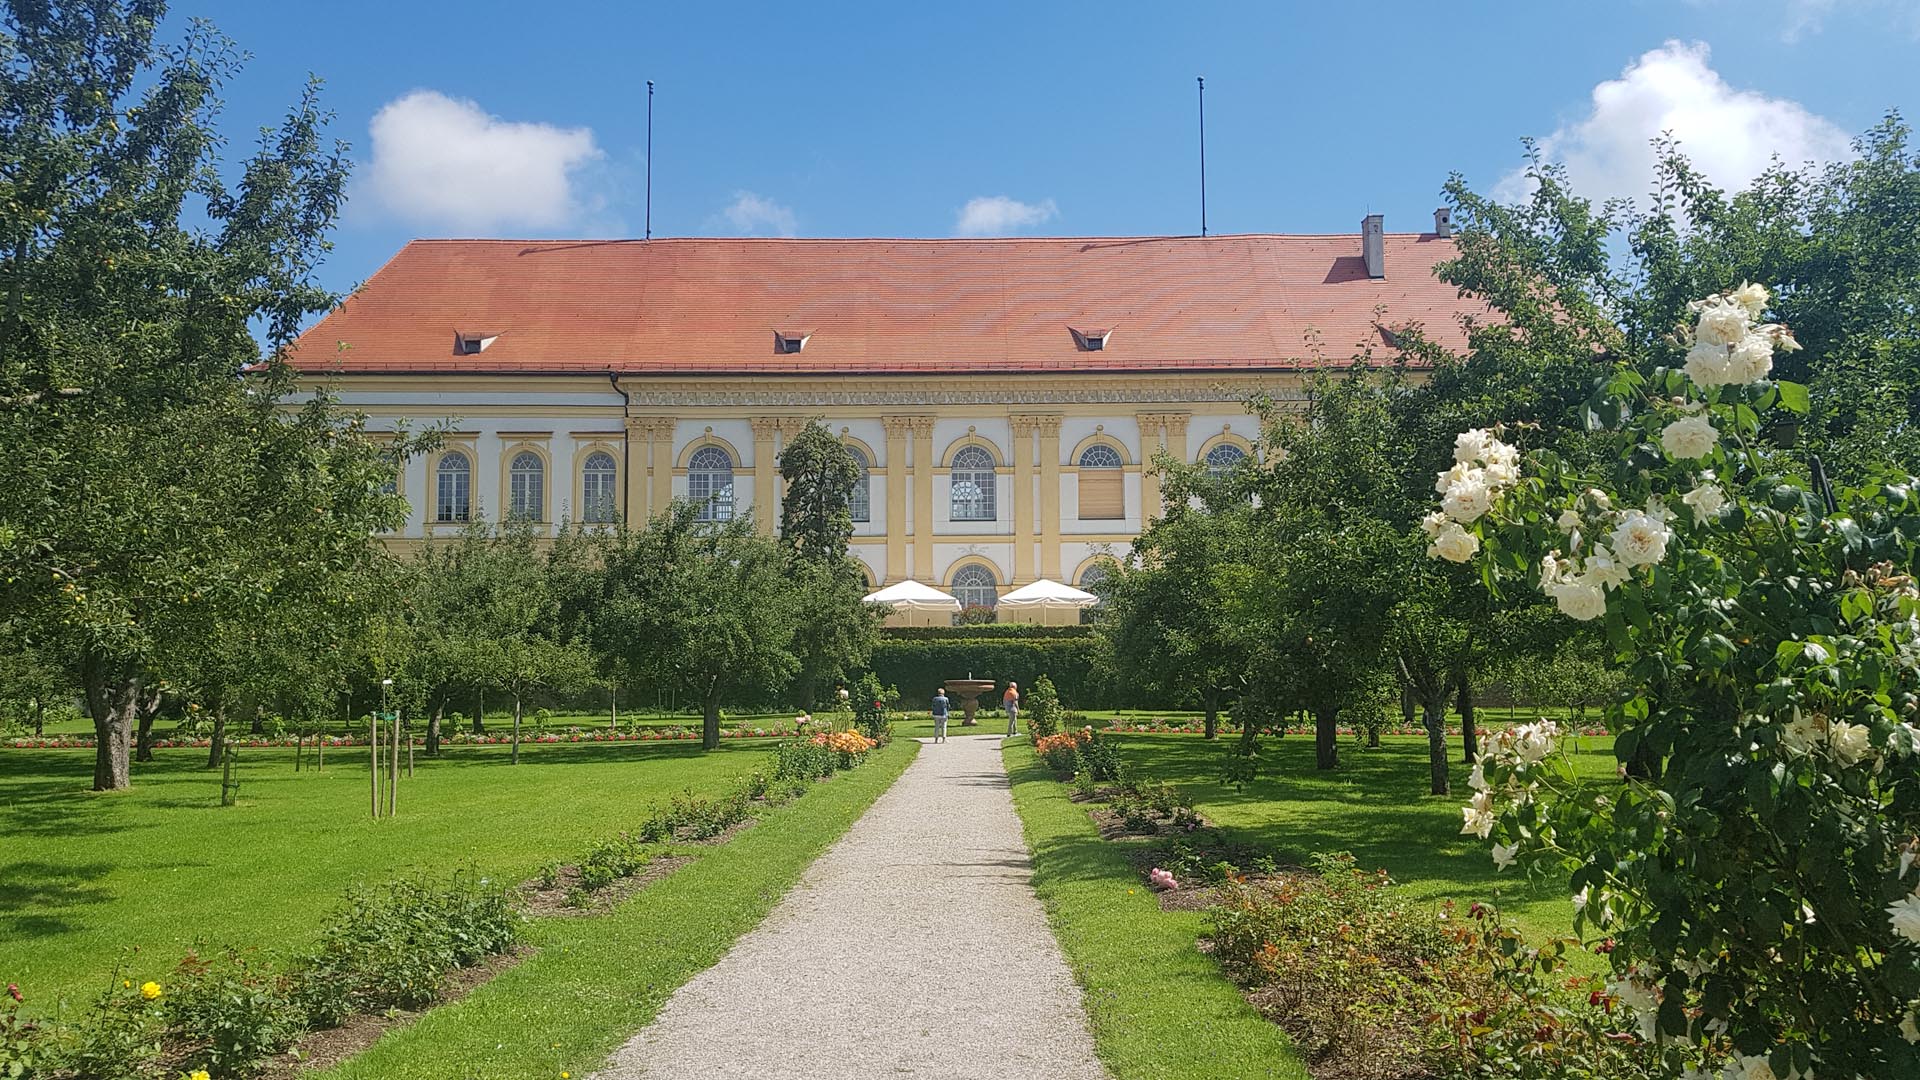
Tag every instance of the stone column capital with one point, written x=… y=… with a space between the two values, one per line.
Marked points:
x=897 y=426
x=766 y=427
x=922 y=425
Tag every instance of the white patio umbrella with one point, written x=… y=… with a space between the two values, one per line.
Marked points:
x=1047 y=593
x=913 y=596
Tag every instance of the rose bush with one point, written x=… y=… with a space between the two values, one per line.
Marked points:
x=1756 y=868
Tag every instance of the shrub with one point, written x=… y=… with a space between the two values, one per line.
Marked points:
x=391 y=946
x=19 y=1038
x=121 y=1039
x=610 y=860
x=849 y=748
x=1043 y=708
x=1017 y=652
x=1083 y=784
x=1062 y=752
x=869 y=700
x=1097 y=753
x=234 y=1013
x=802 y=760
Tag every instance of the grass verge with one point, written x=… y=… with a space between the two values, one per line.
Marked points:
x=1160 y=1009
x=594 y=982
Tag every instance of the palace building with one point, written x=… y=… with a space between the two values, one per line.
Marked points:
x=1005 y=398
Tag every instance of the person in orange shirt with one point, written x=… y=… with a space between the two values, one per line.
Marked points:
x=1011 y=702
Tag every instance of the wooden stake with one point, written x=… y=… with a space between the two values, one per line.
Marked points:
x=373 y=744
x=393 y=769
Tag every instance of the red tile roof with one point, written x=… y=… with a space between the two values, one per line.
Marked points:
x=715 y=306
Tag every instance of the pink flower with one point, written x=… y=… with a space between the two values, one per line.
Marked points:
x=1161 y=879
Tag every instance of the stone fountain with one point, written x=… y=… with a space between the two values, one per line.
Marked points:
x=969 y=691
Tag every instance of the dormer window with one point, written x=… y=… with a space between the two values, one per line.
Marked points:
x=789 y=341
x=469 y=342
x=1090 y=340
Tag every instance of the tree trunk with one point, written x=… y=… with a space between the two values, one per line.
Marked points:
x=149 y=709
x=479 y=716
x=39 y=716
x=1469 y=735
x=433 y=730
x=259 y=720
x=1406 y=704
x=710 y=724
x=218 y=742
x=613 y=706
x=515 y=758
x=113 y=693
x=1326 y=738
x=1212 y=706
x=1436 y=710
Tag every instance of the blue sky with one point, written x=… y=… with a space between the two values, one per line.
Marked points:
x=1034 y=118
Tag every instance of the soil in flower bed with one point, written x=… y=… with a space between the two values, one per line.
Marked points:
x=325 y=1049
x=555 y=901
x=1113 y=827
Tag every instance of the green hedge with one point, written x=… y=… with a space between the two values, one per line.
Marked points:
x=983 y=630
x=915 y=665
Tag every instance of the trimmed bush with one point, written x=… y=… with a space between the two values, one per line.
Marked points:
x=919 y=664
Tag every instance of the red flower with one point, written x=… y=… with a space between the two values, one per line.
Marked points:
x=13 y=991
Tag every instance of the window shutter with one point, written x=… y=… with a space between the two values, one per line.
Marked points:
x=1102 y=494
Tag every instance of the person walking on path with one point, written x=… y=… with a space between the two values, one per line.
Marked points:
x=1011 y=702
x=939 y=714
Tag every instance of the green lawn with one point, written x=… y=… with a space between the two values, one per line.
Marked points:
x=1160 y=1009
x=594 y=982
x=1375 y=805
x=83 y=875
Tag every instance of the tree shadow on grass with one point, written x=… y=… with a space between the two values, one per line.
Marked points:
x=33 y=893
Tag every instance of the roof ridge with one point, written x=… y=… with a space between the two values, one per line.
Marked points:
x=895 y=239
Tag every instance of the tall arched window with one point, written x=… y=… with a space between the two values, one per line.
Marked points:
x=599 y=503
x=527 y=487
x=974 y=586
x=972 y=483
x=453 y=487
x=710 y=483
x=860 y=502
x=1222 y=458
x=1094 y=574
x=1102 y=491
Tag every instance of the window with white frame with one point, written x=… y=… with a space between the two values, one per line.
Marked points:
x=860 y=501
x=1223 y=457
x=599 y=501
x=453 y=487
x=972 y=479
x=527 y=487
x=710 y=483
x=1102 y=491
x=974 y=586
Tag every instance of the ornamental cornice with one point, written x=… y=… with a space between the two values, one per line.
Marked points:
x=824 y=397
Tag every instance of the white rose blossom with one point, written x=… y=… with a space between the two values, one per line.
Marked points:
x=1850 y=743
x=1460 y=472
x=1705 y=500
x=1599 y=499
x=1453 y=544
x=1465 y=501
x=1690 y=438
x=1470 y=446
x=1751 y=359
x=1579 y=599
x=1722 y=322
x=1433 y=524
x=1568 y=521
x=1710 y=365
x=1753 y=297
x=1639 y=539
x=1904 y=915
x=1603 y=569
x=1478 y=822
x=1503 y=855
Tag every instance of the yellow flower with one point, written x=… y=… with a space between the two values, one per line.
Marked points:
x=126 y=983
x=198 y=1074
x=149 y=990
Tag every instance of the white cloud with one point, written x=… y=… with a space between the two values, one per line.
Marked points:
x=1808 y=17
x=752 y=215
x=1729 y=134
x=446 y=163
x=997 y=215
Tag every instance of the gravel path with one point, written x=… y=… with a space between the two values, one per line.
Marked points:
x=915 y=947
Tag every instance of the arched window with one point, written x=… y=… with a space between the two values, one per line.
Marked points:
x=1093 y=575
x=527 y=487
x=1102 y=491
x=974 y=586
x=599 y=505
x=710 y=483
x=972 y=483
x=860 y=502
x=1223 y=457
x=453 y=487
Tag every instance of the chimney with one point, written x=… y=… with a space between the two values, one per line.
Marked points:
x=1443 y=222
x=1373 y=229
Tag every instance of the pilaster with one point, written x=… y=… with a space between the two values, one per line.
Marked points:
x=1049 y=430
x=922 y=498
x=1152 y=438
x=661 y=429
x=766 y=474
x=633 y=472
x=1023 y=427
x=898 y=427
